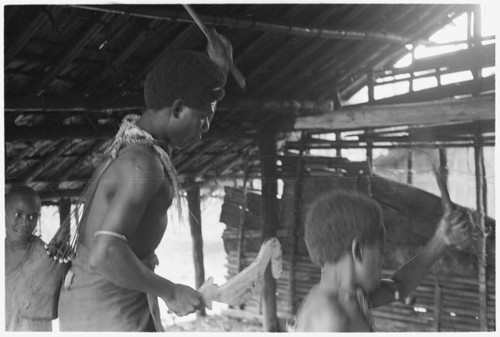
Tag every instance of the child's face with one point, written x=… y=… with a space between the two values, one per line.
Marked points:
x=21 y=217
x=371 y=266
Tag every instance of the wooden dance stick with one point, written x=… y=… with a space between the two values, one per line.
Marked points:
x=238 y=76
x=242 y=286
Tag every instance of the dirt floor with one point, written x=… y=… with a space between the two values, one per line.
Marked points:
x=216 y=323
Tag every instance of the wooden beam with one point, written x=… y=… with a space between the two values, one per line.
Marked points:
x=483 y=56
x=268 y=157
x=440 y=19
x=193 y=200
x=100 y=104
x=401 y=114
x=321 y=33
x=50 y=195
x=444 y=91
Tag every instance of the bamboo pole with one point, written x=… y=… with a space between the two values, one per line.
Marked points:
x=296 y=224
x=443 y=165
x=269 y=177
x=317 y=33
x=241 y=225
x=193 y=199
x=409 y=167
x=481 y=249
x=437 y=306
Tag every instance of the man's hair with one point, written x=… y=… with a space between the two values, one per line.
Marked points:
x=21 y=190
x=187 y=75
x=335 y=218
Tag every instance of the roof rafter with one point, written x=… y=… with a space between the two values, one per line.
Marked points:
x=175 y=16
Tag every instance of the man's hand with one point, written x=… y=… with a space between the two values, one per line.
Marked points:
x=455 y=229
x=184 y=300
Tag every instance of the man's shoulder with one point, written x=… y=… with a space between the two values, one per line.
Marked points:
x=139 y=154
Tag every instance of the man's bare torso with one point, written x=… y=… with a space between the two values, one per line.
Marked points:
x=153 y=221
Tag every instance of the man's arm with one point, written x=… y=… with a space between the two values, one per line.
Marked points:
x=452 y=230
x=139 y=175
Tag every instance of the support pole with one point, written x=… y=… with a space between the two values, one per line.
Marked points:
x=443 y=165
x=193 y=199
x=269 y=176
x=438 y=300
x=241 y=227
x=481 y=245
x=295 y=233
x=409 y=174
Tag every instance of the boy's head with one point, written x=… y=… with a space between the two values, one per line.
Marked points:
x=22 y=211
x=187 y=75
x=335 y=219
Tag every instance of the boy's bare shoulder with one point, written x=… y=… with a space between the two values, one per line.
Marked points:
x=322 y=312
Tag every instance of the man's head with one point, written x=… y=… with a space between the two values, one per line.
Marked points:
x=337 y=219
x=188 y=85
x=22 y=211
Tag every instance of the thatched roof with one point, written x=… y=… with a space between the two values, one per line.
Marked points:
x=72 y=72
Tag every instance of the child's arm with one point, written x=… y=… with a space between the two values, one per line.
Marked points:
x=452 y=230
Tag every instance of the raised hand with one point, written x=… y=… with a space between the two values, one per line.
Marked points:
x=455 y=228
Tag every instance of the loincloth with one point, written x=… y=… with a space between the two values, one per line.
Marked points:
x=89 y=302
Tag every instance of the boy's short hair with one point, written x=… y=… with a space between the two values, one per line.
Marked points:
x=335 y=218
x=187 y=75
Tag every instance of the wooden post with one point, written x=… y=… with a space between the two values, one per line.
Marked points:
x=476 y=42
x=241 y=227
x=443 y=165
x=269 y=176
x=338 y=148
x=294 y=235
x=438 y=300
x=193 y=199
x=371 y=86
x=369 y=161
x=481 y=249
x=409 y=174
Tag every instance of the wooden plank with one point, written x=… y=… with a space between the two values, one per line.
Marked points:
x=401 y=114
x=99 y=104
